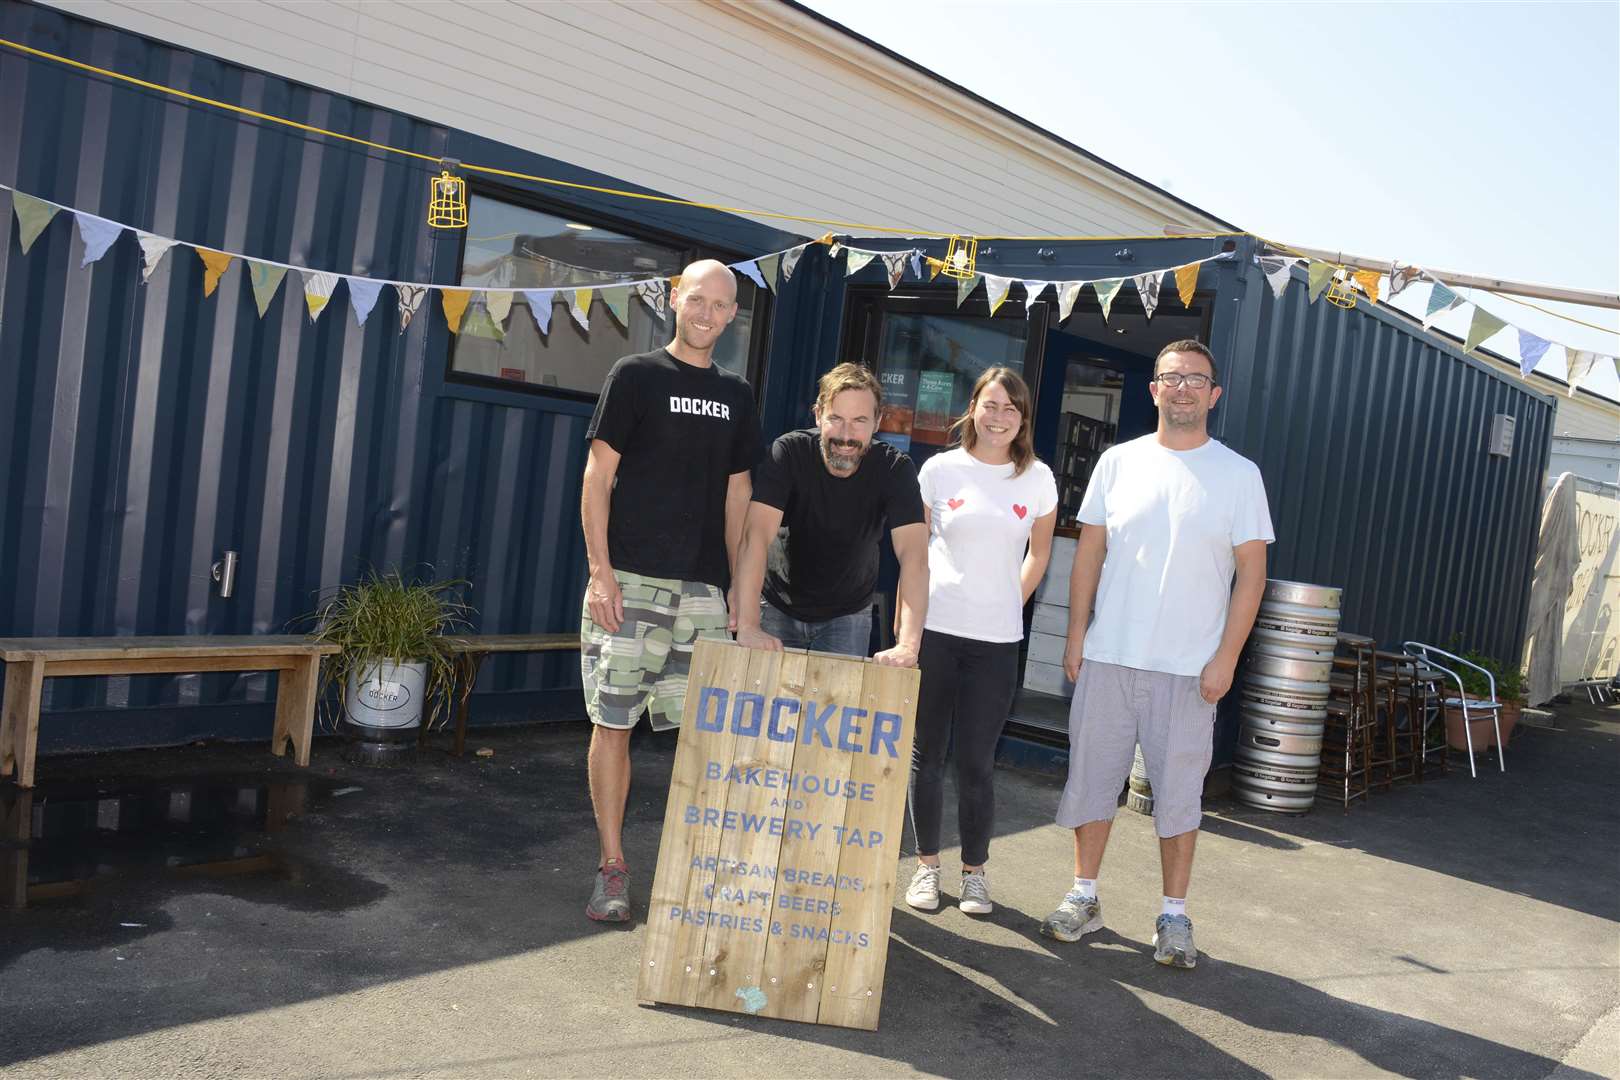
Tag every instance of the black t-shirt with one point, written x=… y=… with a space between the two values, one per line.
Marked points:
x=824 y=561
x=681 y=432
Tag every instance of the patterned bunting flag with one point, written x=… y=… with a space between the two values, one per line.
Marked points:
x=363 y=294
x=617 y=300
x=1531 y=350
x=1148 y=286
x=153 y=248
x=1368 y=280
x=579 y=306
x=318 y=287
x=32 y=217
x=1441 y=300
x=1481 y=328
x=1318 y=275
x=1579 y=364
x=655 y=294
x=965 y=287
x=894 y=262
x=1068 y=293
x=540 y=306
x=1400 y=277
x=1106 y=290
x=790 y=261
x=454 y=303
x=995 y=290
x=749 y=270
x=768 y=266
x=857 y=261
x=98 y=235
x=265 y=279
x=215 y=264
x=1187 y=283
x=1277 y=269
x=410 y=299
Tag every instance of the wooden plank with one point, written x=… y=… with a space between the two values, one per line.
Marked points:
x=161 y=665
x=19 y=719
x=796 y=957
x=677 y=910
x=745 y=878
x=515 y=643
x=858 y=951
x=112 y=648
x=295 y=709
x=16 y=828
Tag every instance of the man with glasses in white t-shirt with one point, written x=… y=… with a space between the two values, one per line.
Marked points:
x=1167 y=578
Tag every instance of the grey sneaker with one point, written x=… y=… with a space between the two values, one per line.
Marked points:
x=923 y=892
x=610 y=898
x=1077 y=916
x=975 y=899
x=1172 y=942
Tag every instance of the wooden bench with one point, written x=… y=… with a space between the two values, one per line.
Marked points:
x=469 y=651
x=30 y=661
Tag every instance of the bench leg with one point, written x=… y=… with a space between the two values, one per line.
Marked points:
x=19 y=719
x=470 y=663
x=295 y=708
x=16 y=827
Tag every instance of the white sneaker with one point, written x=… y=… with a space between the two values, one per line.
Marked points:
x=975 y=895
x=923 y=892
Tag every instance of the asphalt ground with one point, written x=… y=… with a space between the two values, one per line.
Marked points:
x=212 y=910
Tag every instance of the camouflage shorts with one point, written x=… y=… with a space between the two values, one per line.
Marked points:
x=645 y=663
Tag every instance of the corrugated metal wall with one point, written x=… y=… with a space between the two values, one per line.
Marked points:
x=146 y=429
x=1372 y=439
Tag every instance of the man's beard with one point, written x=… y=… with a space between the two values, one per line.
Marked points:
x=849 y=459
x=1189 y=415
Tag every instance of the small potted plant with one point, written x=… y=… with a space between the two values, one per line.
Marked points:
x=1477 y=687
x=394 y=672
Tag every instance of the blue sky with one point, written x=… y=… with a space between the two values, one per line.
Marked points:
x=1473 y=137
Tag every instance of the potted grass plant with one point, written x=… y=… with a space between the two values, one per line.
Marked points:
x=1477 y=687
x=394 y=672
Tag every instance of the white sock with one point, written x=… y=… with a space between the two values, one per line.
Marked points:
x=1086 y=886
x=1174 y=906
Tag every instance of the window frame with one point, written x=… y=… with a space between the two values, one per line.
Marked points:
x=534 y=394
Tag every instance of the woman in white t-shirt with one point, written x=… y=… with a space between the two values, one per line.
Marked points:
x=990 y=504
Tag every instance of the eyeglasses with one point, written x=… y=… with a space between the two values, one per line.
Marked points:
x=1175 y=380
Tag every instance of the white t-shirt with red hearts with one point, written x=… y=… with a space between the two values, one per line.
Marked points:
x=980 y=517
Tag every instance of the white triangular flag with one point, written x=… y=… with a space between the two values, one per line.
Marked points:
x=1580 y=364
x=1068 y=293
x=498 y=302
x=1032 y=293
x=153 y=248
x=1106 y=290
x=98 y=235
x=995 y=289
x=318 y=286
x=790 y=261
x=857 y=261
x=363 y=294
x=1277 y=269
x=750 y=270
x=540 y=307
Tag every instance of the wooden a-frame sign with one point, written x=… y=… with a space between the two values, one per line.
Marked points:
x=776 y=871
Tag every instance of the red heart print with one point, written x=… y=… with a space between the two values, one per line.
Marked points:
x=1020 y=510
x=953 y=503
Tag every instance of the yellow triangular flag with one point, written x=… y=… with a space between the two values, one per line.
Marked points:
x=580 y=309
x=1187 y=283
x=934 y=267
x=455 y=306
x=1368 y=280
x=217 y=262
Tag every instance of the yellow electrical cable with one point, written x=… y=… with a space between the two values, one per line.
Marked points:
x=665 y=199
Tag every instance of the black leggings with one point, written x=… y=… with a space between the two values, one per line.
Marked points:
x=966 y=694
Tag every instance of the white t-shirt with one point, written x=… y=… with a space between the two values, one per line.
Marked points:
x=1173 y=518
x=980 y=517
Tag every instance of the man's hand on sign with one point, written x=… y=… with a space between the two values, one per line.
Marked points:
x=1216 y=679
x=901 y=655
x=605 y=601
x=752 y=637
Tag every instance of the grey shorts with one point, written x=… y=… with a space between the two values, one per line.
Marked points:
x=1115 y=708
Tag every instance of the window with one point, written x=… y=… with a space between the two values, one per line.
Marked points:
x=509 y=246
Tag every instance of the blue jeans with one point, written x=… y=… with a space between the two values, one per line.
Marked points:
x=846 y=635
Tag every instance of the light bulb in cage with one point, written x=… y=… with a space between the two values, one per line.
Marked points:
x=961 y=257
x=447 y=203
x=1339 y=293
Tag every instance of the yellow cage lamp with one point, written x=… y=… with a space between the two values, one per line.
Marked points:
x=447 y=200
x=961 y=257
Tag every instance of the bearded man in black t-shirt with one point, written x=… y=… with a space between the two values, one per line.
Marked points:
x=822 y=499
x=666 y=491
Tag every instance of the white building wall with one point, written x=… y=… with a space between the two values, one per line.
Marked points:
x=739 y=102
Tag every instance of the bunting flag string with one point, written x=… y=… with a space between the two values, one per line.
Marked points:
x=1483 y=325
